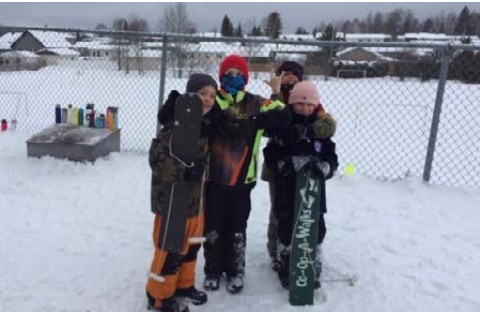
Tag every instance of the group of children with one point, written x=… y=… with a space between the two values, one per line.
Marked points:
x=225 y=172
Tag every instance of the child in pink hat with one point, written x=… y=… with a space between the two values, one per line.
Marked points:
x=298 y=139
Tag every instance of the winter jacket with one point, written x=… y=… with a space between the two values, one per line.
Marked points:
x=324 y=126
x=234 y=149
x=298 y=139
x=167 y=170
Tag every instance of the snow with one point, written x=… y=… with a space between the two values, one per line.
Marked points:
x=8 y=39
x=19 y=54
x=52 y=39
x=77 y=237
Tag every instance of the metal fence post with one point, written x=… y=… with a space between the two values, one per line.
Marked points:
x=163 y=72
x=442 y=79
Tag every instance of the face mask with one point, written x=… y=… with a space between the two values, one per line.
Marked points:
x=233 y=84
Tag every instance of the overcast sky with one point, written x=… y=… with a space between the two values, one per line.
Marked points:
x=207 y=16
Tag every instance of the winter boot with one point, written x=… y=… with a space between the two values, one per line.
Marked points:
x=191 y=294
x=284 y=265
x=170 y=304
x=318 y=266
x=234 y=284
x=275 y=264
x=211 y=282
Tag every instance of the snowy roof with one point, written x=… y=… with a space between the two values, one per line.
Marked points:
x=367 y=36
x=19 y=54
x=376 y=53
x=145 y=53
x=93 y=45
x=215 y=47
x=209 y=34
x=153 y=44
x=7 y=39
x=52 y=39
x=61 y=51
x=425 y=36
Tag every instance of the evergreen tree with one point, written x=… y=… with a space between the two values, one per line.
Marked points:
x=462 y=22
x=274 y=25
x=227 y=28
x=301 y=31
x=378 y=24
x=329 y=34
x=428 y=25
x=239 y=31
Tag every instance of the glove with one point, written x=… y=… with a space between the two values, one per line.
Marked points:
x=322 y=169
x=194 y=173
x=167 y=110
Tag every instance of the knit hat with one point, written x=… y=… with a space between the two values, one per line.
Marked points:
x=234 y=61
x=304 y=92
x=198 y=81
x=293 y=67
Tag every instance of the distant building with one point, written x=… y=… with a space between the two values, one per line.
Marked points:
x=34 y=40
x=20 y=60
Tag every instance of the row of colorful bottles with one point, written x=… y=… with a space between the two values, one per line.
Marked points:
x=13 y=125
x=76 y=116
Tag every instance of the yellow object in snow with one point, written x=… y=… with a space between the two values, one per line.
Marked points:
x=349 y=169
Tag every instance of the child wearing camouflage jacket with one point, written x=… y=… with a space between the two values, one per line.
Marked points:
x=171 y=282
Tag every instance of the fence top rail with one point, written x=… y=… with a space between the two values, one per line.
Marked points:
x=196 y=38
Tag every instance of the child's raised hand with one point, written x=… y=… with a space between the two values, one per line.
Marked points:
x=275 y=82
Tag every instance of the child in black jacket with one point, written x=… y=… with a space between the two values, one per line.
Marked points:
x=298 y=140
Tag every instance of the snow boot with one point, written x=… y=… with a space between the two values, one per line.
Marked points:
x=275 y=264
x=211 y=282
x=318 y=266
x=284 y=265
x=170 y=304
x=234 y=284
x=191 y=294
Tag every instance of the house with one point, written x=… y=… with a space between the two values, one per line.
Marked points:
x=360 y=62
x=7 y=40
x=20 y=60
x=94 y=49
x=34 y=40
x=55 y=56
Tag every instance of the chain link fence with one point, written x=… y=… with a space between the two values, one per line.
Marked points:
x=403 y=109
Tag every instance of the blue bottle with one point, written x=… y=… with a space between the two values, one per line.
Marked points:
x=58 y=114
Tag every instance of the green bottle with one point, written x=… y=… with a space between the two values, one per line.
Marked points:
x=80 y=116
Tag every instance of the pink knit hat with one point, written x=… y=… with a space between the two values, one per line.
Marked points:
x=304 y=92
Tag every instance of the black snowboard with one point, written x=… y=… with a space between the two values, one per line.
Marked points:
x=183 y=147
x=186 y=128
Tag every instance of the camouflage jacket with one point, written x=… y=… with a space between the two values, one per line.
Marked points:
x=166 y=171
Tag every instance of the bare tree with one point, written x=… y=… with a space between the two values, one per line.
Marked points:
x=137 y=24
x=175 y=20
x=121 y=24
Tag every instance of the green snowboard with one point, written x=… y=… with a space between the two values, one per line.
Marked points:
x=305 y=230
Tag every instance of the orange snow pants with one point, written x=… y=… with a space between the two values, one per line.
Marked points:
x=176 y=270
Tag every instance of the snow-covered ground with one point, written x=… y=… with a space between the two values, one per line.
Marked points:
x=77 y=237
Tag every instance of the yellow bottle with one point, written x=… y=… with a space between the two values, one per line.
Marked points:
x=75 y=116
